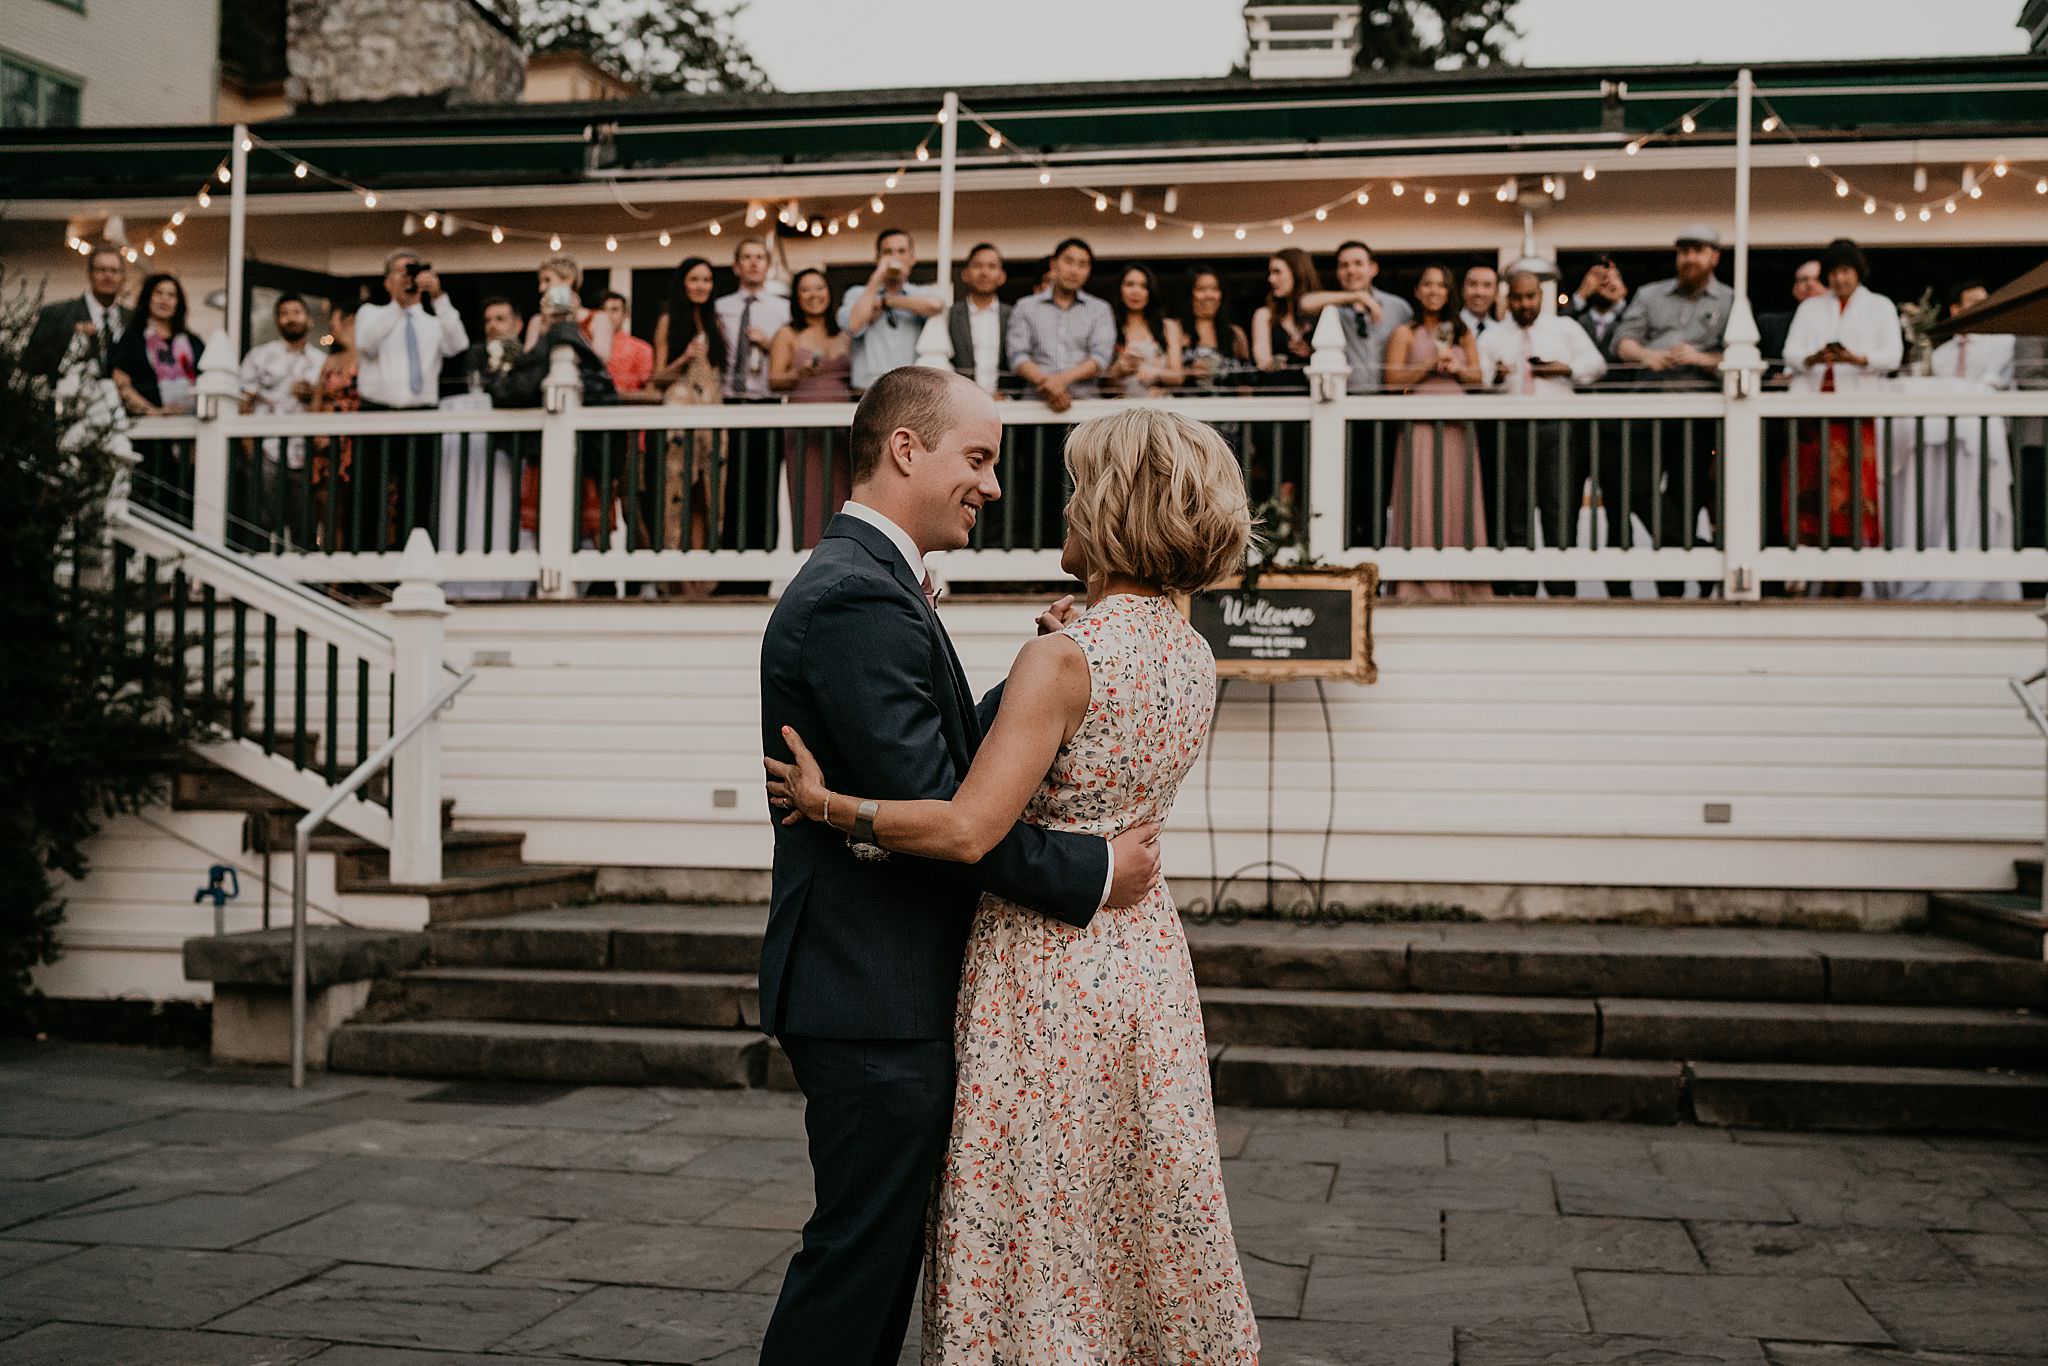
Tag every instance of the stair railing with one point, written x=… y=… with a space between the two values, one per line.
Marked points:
x=302 y=847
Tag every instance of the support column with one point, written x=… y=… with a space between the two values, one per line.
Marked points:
x=418 y=613
x=559 y=516
x=1742 y=367
x=1327 y=495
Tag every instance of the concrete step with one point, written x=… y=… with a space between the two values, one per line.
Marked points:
x=462 y=851
x=632 y=937
x=1741 y=1031
x=2004 y=922
x=489 y=892
x=1451 y=1083
x=702 y=1000
x=589 y=1054
x=1401 y=1020
x=1800 y=1096
x=1626 y=1028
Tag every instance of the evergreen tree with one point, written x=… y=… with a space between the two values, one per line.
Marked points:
x=1402 y=35
x=82 y=738
x=663 y=46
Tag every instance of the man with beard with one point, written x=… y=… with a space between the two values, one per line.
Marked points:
x=280 y=376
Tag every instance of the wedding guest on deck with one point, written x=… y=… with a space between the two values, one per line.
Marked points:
x=156 y=362
x=1479 y=299
x=491 y=357
x=1282 y=329
x=690 y=365
x=750 y=316
x=1148 y=355
x=332 y=457
x=403 y=344
x=98 y=315
x=1213 y=346
x=1772 y=327
x=1599 y=302
x=1537 y=353
x=1844 y=341
x=631 y=362
x=979 y=325
x=883 y=317
x=1371 y=315
x=1062 y=337
x=1986 y=357
x=811 y=361
x=281 y=376
x=563 y=272
x=1437 y=494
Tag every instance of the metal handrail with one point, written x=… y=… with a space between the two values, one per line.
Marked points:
x=302 y=842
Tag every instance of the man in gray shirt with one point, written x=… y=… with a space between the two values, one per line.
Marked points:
x=1674 y=329
x=1062 y=337
x=885 y=315
x=1370 y=314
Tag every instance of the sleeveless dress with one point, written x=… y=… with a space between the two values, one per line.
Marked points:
x=818 y=486
x=1080 y=1216
x=1437 y=495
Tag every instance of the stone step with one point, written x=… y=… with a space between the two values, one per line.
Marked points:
x=489 y=892
x=1626 y=1028
x=1401 y=1020
x=702 y=1000
x=1451 y=1083
x=462 y=851
x=503 y=1050
x=1803 y=1096
x=1577 y=961
x=2004 y=922
x=1741 y=1031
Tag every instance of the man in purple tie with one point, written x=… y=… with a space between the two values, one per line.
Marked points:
x=749 y=318
x=402 y=344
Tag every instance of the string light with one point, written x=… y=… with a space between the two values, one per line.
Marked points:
x=1399 y=190
x=852 y=220
x=1464 y=198
x=1322 y=215
x=204 y=197
x=1101 y=202
x=1240 y=234
x=1045 y=177
x=149 y=248
x=923 y=153
x=554 y=241
x=716 y=228
x=2041 y=185
x=1429 y=196
x=170 y=237
x=431 y=221
x=890 y=183
x=223 y=174
x=611 y=244
x=663 y=239
x=876 y=203
x=1588 y=172
x=1198 y=232
x=498 y=236
x=995 y=140
x=369 y=199
x=1771 y=123
x=1365 y=199
x=299 y=171
x=178 y=219
x=1998 y=168
x=1151 y=222
x=1288 y=227
x=1687 y=123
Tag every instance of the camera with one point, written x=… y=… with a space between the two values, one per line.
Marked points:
x=413 y=269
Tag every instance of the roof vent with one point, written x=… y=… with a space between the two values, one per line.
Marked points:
x=1301 y=39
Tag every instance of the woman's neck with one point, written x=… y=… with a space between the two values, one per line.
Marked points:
x=163 y=326
x=1116 y=584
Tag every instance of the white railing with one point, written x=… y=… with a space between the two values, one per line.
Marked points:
x=599 y=485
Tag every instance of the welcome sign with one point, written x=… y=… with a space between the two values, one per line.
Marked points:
x=1306 y=623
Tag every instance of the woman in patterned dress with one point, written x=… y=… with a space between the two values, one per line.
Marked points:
x=1080 y=1216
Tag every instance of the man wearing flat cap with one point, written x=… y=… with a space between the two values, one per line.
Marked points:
x=1674 y=330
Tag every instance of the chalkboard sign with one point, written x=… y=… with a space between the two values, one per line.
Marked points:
x=1297 y=623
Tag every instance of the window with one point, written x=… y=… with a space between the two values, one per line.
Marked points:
x=32 y=97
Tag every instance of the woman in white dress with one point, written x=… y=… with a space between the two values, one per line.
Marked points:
x=1080 y=1216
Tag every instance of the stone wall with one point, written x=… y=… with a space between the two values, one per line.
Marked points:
x=416 y=52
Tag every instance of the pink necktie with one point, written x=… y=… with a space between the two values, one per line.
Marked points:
x=931 y=590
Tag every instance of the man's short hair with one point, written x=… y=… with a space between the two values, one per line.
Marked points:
x=614 y=294
x=745 y=242
x=106 y=249
x=914 y=397
x=286 y=298
x=494 y=301
x=886 y=233
x=1471 y=270
x=1066 y=242
x=402 y=254
x=1343 y=247
x=979 y=247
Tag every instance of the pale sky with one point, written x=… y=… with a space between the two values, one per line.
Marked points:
x=824 y=44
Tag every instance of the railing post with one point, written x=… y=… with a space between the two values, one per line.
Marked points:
x=1329 y=372
x=560 y=516
x=1742 y=457
x=418 y=612
x=218 y=392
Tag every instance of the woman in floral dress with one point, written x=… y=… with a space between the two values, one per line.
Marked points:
x=1080 y=1215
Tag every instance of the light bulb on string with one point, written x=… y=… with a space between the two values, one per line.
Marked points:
x=1899 y=215
x=369 y=199
x=663 y=239
x=2041 y=185
x=1464 y=198
x=149 y=248
x=248 y=144
x=170 y=237
x=1588 y=172
x=1288 y=227
x=1322 y=215
x=942 y=116
x=1101 y=203
x=299 y=170
x=1976 y=192
x=1869 y=205
x=817 y=227
x=1812 y=161
x=1045 y=177
x=1841 y=189
x=1429 y=196
x=995 y=141
x=1198 y=233
x=1687 y=124
x=1365 y=199
x=876 y=203
x=1151 y=222
x=923 y=152
x=498 y=236
x=205 y=198
x=431 y=221
x=1949 y=206
x=223 y=174
x=1770 y=123
x=1399 y=190
x=1549 y=185
x=133 y=256
x=1998 y=167
x=890 y=183
x=178 y=219
x=1240 y=234
x=852 y=220
x=555 y=242
x=85 y=248
x=716 y=228
x=1926 y=214
x=1633 y=148
x=832 y=228
x=611 y=243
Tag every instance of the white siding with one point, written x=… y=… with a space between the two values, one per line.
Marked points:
x=144 y=63
x=1860 y=746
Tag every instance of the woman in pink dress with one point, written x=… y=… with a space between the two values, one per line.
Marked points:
x=1080 y=1215
x=810 y=361
x=1436 y=487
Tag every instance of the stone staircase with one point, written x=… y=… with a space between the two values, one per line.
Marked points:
x=1775 y=1028
x=2005 y=922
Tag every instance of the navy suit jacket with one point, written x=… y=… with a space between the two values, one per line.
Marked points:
x=856 y=661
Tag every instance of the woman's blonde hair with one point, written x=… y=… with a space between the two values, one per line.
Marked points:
x=562 y=265
x=1158 y=497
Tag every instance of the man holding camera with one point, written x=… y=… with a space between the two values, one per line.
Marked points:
x=885 y=316
x=402 y=344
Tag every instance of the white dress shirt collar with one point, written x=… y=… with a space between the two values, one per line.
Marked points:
x=898 y=537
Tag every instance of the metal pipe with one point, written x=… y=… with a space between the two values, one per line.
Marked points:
x=302 y=842
x=238 y=229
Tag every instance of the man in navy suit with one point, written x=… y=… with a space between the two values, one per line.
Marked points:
x=860 y=969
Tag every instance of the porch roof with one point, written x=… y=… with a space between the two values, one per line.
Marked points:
x=1501 y=109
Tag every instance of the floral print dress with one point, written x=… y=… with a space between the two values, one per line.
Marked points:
x=1080 y=1216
